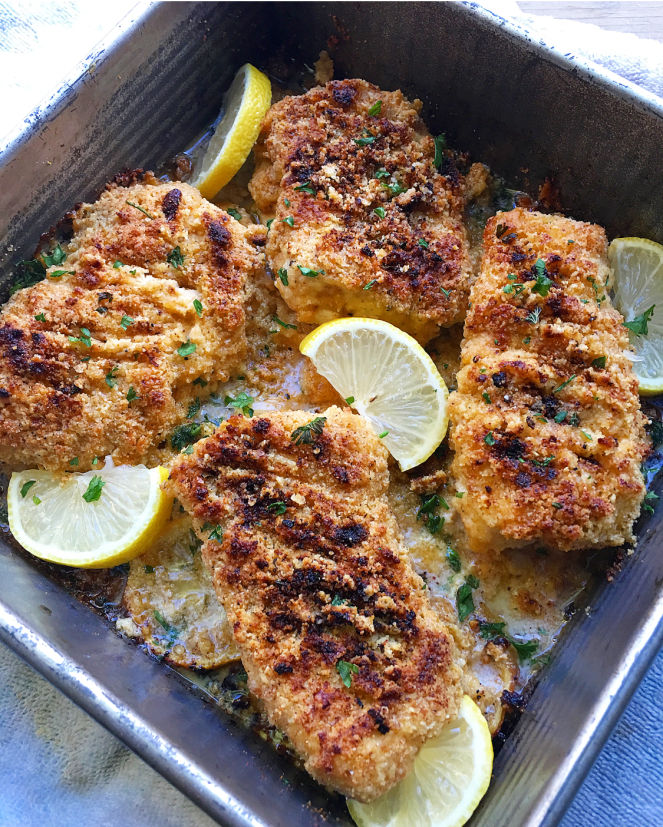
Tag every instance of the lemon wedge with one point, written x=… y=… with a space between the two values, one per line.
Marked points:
x=245 y=105
x=638 y=287
x=93 y=520
x=387 y=377
x=449 y=778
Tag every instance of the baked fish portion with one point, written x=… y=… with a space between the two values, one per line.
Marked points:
x=145 y=299
x=332 y=622
x=546 y=421
x=365 y=223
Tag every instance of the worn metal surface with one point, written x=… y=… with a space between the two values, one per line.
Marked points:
x=152 y=88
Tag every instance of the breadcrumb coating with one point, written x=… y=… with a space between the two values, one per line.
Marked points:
x=333 y=624
x=348 y=173
x=546 y=422
x=89 y=362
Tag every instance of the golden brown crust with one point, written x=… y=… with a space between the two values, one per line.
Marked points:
x=327 y=580
x=546 y=422
x=415 y=258
x=61 y=399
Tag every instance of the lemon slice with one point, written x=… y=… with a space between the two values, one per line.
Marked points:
x=638 y=266
x=387 y=377
x=245 y=105
x=449 y=778
x=52 y=519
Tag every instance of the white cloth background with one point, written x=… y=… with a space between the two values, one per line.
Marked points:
x=58 y=768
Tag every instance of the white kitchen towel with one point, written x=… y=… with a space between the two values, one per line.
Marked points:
x=634 y=58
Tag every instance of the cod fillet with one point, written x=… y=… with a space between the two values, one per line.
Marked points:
x=100 y=357
x=333 y=624
x=364 y=223
x=546 y=421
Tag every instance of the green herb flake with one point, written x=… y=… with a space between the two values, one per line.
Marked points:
x=188 y=450
x=269 y=223
x=290 y=221
x=200 y=381
x=346 y=670
x=489 y=439
x=486 y=397
x=148 y=569
x=599 y=362
x=557 y=505
x=560 y=417
x=84 y=338
x=176 y=258
x=350 y=400
x=132 y=395
x=73 y=461
x=574 y=420
x=564 y=384
x=490 y=631
x=367 y=139
x=369 y=285
x=306 y=187
x=587 y=435
x=165 y=625
x=40 y=317
x=236 y=214
x=508 y=288
x=379 y=211
x=527 y=340
x=194 y=408
x=184 y=435
x=447 y=293
x=304 y=435
x=381 y=173
x=429 y=502
x=525 y=649
x=459 y=494
x=374 y=111
x=570 y=241
x=26 y=487
x=93 y=492
x=639 y=325
x=126 y=322
x=440 y=146
x=198 y=307
x=453 y=559
x=95 y=460
x=534 y=316
x=283 y=275
x=464 y=598
x=338 y=601
x=216 y=534
x=136 y=207
x=186 y=349
x=117 y=264
x=383 y=434
x=284 y=324
x=110 y=377
x=31 y=273
x=309 y=272
x=423 y=243
x=278 y=507
x=542 y=284
x=242 y=402
x=36 y=500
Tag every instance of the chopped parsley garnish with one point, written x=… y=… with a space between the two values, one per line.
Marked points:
x=286 y=201
x=570 y=241
x=95 y=460
x=534 y=316
x=543 y=463
x=176 y=258
x=194 y=407
x=269 y=223
x=236 y=214
x=84 y=338
x=56 y=257
x=650 y=495
x=57 y=273
x=117 y=264
x=464 y=599
x=527 y=340
x=345 y=670
x=434 y=523
x=309 y=272
x=110 y=377
x=350 y=400
x=32 y=272
x=148 y=569
x=200 y=381
x=40 y=317
x=188 y=450
x=36 y=500
x=306 y=187
x=93 y=492
x=596 y=290
x=369 y=285
x=423 y=243
x=290 y=221
x=486 y=397
x=557 y=505
x=444 y=503
x=136 y=207
x=216 y=534
x=489 y=631
x=599 y=362
x=543 y=283
x=367 y=140
x=447 y=293
x=381 y=173
x=501 y=229
x=165 y=625
x=198 y=307
x=639 y=325
x=508 y=288
x=132 y=395
x=184 y=435
x=453 y=559
x=278 y=507
x=394 y=189
x=564 y=384
x=73 y=461
x=587 y=435
x=428 y=504
x=383 y=434
x=285 y=324
x=242 y=402
x=283 y=275
x=574 y=420
x=304 y=435
x=489 y=439
x=338 y=601
x=126 y=322
x=525 y=649
x=459 y=494
x=186 y=349
x=375 y=109
x=26 y=487
x=440 y=146
x=560 y=417
x=379 y=211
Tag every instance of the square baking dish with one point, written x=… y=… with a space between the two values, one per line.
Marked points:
x=529 y=112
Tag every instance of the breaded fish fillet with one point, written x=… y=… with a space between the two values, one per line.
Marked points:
x=546 y=422
x=101 y=359
x=364 y=224
x=332 y=622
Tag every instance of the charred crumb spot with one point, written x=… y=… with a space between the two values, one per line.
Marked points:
x=516 y=257
x=4 y=394
x=380 y=722
x=510 y=448
x=105 y=296
x=340 y=473
x=499 y=379
x=126 y=178
x=513 y=699
x=523 y=480
x=261 y=426
x=219 y=234
x=449 y=170
x=351 y=535
x=343 y=93
x=283 y=668
x=171 y=204
x=366 y=250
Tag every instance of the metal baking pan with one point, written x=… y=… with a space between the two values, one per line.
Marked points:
x=528 y=111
